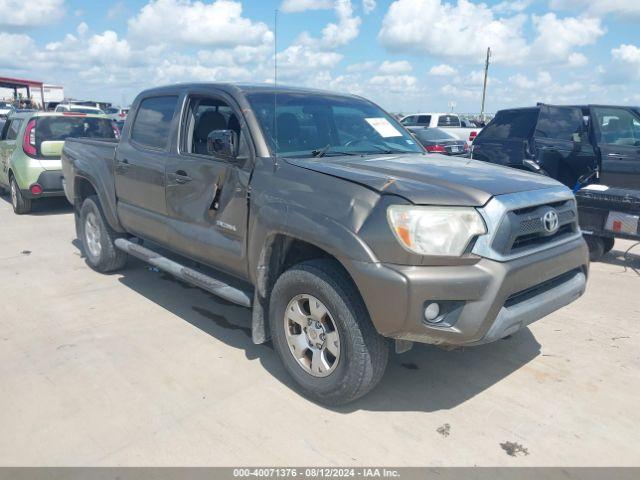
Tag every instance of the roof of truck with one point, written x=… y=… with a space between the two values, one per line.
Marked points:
x=232 y=87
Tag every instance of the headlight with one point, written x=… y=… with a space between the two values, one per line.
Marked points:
x=435 y=230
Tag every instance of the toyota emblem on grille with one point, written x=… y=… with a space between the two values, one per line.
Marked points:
x=550 y=221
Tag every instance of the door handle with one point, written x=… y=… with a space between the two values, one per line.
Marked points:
x=181 y=177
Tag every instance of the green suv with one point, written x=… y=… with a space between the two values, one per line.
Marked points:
x=30 y=147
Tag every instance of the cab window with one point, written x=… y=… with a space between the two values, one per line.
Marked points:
x=204 y=115
x=559 y=123
x=617 y=126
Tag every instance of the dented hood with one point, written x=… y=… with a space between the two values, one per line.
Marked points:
x=428 y=179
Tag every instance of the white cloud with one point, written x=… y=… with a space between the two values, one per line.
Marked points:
x=577 y=60
x=626 y=63
x=361 y=66
x=20 y=13
x=623 y=8
x=294 y=6
x=395 y=83
x=368 y=6
x=393 y=68
x=190 y=22
x=348 y=26
x=22 y=47
x=463 y=30
x=307 y=56
x=82 y=29
x=556 y=37
x=442 y=70
x=511 y=6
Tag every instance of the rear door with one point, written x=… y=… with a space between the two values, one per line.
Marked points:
x=505 y=140
x=140 y=164
x=617 y=134
x=207 y=196
x=562 y=146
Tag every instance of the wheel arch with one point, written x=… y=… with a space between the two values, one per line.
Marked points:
x=280 y=252
x=84 y=186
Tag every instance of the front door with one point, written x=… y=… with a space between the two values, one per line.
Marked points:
x=141 y=160
x=617 y=132
x=206 y=196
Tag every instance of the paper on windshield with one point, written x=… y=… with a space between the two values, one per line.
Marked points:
x=383 y=127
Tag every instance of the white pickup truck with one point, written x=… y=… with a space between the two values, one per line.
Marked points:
x=457 y=126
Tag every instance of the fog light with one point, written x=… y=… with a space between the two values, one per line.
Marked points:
x=36 y=189
x=431 y=312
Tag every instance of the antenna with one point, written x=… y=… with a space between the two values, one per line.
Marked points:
x=484 y=87
x=275 y=85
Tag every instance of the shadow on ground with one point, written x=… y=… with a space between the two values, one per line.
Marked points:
x=628 y=259
x=46 y=206
x=425 y=379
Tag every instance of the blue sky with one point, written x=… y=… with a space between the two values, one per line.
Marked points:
x=408 y=55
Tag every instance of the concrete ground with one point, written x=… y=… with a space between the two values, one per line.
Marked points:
x=135 y=368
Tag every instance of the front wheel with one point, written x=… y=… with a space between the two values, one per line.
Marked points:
x=20 y=204
x=98 y=238
x=323 y=334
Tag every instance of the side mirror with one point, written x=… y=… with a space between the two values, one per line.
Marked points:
x=223 y=144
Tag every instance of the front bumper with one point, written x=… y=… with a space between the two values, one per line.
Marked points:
x=481 y=303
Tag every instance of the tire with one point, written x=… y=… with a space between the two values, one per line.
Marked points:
x=608 y=243
x=596 y=247
x=362 y=353
x=98 y=238
x=20 y=204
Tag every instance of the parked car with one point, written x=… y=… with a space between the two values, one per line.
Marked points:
x=324 y=216
x=30 y=146
x=70 y=107
x=116 y=113
x=436 y=140
x=454 y=124
x=594 y=146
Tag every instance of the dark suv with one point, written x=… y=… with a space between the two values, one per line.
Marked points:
x=593 y=146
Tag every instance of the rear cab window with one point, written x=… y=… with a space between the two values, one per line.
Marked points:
x=448 y=121
x=152 y=125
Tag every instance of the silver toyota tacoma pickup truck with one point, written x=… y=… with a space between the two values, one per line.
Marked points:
x=321 y=213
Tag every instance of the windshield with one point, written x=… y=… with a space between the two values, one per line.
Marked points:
x=317 y=125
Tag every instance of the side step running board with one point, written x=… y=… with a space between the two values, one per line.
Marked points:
x=187 y=274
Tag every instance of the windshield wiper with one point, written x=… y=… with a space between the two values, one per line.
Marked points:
x=321 y=152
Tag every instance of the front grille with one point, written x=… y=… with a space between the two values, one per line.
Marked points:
x=523 y=229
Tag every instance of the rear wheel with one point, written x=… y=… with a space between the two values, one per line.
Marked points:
x=608 y=242
x=596 y=247
x=20 y=204
x=98 y=238
x=323 y=334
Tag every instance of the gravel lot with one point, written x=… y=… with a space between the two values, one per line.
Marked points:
x=135 y=368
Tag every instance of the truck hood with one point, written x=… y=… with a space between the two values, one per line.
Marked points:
x=428 y=179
